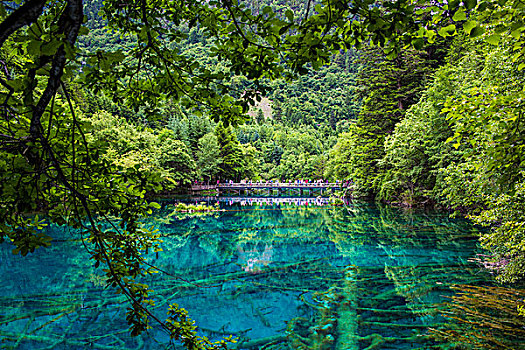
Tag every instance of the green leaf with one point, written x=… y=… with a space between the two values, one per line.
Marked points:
x=516 y=33
x=452 y=4
x=33 y=48
x=447 y=31
x=418 y=43
x=483 y=6
x=477 y=31
x=83 y=30
x=493 y=39
x=500 y=28
x=468 y=26
x=430 y=36
x=50 y=48
x=154 y=205
x=289 y=14
x=459 y=16
x=470 y=4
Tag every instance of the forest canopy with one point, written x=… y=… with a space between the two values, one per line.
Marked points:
x=58 y=152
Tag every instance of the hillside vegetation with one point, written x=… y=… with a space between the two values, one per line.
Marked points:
x=437 y=125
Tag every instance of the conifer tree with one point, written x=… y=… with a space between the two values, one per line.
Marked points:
x=208 y=157
x=260 y=117
x=232 y=162
x=277 y=114
x=389 y=88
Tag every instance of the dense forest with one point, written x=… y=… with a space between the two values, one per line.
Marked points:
x=399 y=128
x=288 y=135
x=419 y=105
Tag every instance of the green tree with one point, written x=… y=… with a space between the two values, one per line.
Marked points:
x=260 y=116
x=340 y=163
x=250 y=164
x=174 y=156
x=486 y=115
x=179 y=126
x=198 y=127
x=208 y=157
x=416 y=150
x=390 y=87
x=231 y=155
x=277 y=113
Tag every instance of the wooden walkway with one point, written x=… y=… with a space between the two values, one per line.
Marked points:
x=248 y=187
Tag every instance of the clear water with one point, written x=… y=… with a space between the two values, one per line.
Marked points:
x=277 y=276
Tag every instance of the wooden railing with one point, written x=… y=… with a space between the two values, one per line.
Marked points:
x=203 y=187
x=270 y=200
x=282 y=185
x=255 y=185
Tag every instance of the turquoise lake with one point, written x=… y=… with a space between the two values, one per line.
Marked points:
x=286 y=275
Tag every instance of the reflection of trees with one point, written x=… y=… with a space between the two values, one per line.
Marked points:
x=422 y=253
x=253 y=260
x=341 y=277
x=278 y=224
x=422 y=257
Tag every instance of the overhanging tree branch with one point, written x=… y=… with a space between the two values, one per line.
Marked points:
x=69 y=23
x=21 y=17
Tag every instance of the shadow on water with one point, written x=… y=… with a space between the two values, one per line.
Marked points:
x=278 y=276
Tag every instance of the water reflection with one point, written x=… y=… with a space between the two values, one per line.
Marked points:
x=273 y=201
x=291 y=277
x=252 y=260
